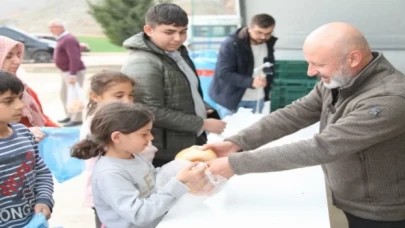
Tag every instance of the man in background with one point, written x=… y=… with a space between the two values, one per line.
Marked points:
x=67 y=57
x=235 y=83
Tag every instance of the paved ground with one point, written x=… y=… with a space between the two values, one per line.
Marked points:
x=68 y=211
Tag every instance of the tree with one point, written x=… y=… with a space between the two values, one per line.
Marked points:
x=120 y=19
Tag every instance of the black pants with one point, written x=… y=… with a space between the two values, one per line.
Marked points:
x=97 y=219
x=356 y=222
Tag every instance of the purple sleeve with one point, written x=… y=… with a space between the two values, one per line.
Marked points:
x=72 y=48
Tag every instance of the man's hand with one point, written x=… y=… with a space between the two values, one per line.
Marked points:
x=44 y=209
x=220 y=166
x=222 y=149
x=38 y=134
x=214 y=125
x=259 y=82
x=72 y=79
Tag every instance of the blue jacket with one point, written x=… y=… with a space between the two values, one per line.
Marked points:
x=234 y=69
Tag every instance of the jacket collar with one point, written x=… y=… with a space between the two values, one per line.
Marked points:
x=65 y=33
x=242 y=34
x=152 y=47
x=377 y=69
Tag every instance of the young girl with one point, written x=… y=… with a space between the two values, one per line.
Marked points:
x=124 y=180
x=107 y=86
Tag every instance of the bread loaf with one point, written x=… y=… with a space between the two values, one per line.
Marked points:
x=195 y=154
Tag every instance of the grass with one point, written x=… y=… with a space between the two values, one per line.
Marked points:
x=100 y=44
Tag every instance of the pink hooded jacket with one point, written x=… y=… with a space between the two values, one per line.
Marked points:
x=33 y=115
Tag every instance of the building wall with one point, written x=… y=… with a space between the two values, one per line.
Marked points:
x=382 y=22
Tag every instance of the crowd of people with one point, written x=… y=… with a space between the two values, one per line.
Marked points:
x=138 y=119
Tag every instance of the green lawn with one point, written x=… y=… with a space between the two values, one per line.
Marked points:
x=100 y=44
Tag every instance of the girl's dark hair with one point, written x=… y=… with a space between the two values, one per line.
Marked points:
x=111 y=117
x=100 y=82
x=9 y=82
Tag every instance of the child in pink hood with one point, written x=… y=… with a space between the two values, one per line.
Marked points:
x=107 y=86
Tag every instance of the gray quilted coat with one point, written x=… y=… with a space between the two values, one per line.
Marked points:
x=164 y=88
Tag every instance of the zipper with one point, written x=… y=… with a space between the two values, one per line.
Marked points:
x=334 y=105
x=328 y=111
x=365 y=174
x=338 y=98
x=326 y=118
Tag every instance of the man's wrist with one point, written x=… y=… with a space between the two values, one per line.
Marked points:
x=235 y=147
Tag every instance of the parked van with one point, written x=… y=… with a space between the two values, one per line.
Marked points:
x=208 y=31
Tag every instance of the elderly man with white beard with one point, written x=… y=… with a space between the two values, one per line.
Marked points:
x=360 y=103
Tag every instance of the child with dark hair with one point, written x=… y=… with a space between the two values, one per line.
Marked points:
x=167 y=82
x=124 y=180
x=107 y=86
x=26 y=184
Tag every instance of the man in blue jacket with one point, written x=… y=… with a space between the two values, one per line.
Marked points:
x=235 y=83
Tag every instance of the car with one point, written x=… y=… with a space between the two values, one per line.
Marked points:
x=84 y=47
x=35 y=49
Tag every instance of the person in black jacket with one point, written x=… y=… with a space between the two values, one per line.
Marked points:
x=235 y=83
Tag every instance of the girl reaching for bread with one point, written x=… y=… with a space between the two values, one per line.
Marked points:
x=105 y=87
x=124 y=180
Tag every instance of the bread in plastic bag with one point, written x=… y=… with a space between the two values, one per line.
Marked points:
x=208 y=187
x=75 y=99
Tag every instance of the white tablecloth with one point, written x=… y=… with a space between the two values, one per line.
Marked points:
x=295 y=198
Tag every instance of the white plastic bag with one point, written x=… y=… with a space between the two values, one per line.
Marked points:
x=236 y=122
x=75 y=99
x=242 y=119
x=214 y=184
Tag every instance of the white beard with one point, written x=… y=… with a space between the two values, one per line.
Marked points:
x=340 y=79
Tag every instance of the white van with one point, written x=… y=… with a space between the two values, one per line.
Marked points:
x=208 y=31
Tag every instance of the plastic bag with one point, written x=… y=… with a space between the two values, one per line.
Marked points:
x=242 y=119
x=236 y=122
x=38 y=221
x=75 y=99
x=55 y=151
x=215 y=182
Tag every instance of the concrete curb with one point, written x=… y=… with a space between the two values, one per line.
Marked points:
x=51 y=68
